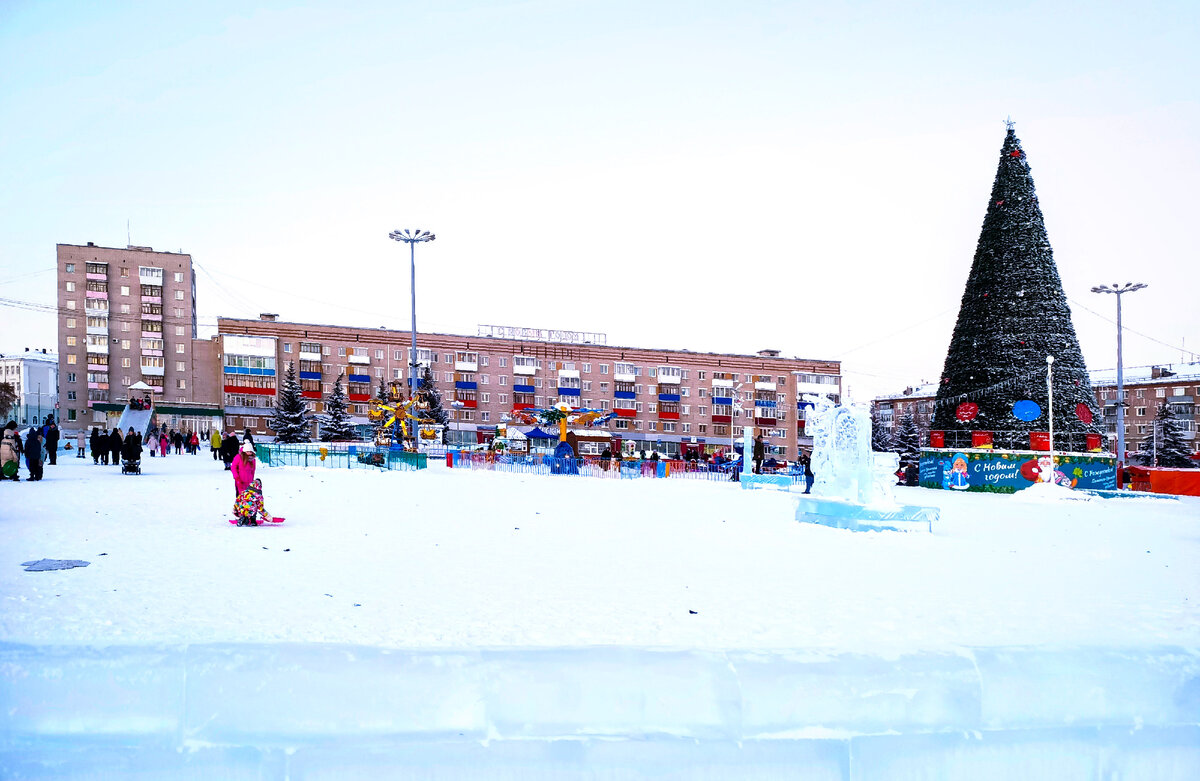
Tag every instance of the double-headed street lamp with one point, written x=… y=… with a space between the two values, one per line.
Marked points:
x=412 y=238
x=1116 y=289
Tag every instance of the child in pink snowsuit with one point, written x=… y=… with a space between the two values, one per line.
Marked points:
x=243 y=468
x=249 y=506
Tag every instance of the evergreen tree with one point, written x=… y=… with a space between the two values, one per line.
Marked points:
x=336 y=423
x=908 y=439
x=8 y=397
x=1165 y=446
x=431 y=400
x=1013 y=314
x=291 y=418
x=881 y=435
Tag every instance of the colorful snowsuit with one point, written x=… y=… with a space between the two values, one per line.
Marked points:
x=248 y=507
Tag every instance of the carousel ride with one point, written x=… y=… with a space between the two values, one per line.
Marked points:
x=400 y=420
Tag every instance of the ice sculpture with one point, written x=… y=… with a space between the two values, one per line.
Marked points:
x=853 y=488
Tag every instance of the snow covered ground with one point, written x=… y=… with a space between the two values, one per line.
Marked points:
x=455 y=558
x=461 y=624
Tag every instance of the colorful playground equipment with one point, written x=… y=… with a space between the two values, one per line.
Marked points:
x=562 y=414
x=404 y=415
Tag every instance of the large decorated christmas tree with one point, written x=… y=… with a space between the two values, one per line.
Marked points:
x=1014 y=314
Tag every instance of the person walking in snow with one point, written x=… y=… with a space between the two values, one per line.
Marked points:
x=10 y=452
x=760 y=451
x=52 y=435
x=33 y=454
x=80 y=441
x=194 y=444
x=153 y=444
x=243 y=468
x=215 y=442
x=229 y=449
x=177 y=441
x=114 y=446
x=164 y=443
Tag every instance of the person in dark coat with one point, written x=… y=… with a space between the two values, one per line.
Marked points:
x=131 y=448
x=760 y=450
x=33 y=454
x=248 y=436
x=114 y=446
x=229 y=449
x=177 y=441
x=806 y=462
x=94 y=444
x=52 y=435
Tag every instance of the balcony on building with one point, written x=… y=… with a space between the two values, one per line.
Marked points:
x=726 y=419
x=526 y=367
x=668 y=411
x=624 y=390
x=152 y=370
x=359 y=360
x=466 y=361
x=669 y=375
x=307 y=356
x=667 y=396
x=150 y=275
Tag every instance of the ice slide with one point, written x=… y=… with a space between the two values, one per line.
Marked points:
x=139 y=419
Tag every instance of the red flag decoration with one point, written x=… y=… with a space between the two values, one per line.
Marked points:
x=1083 y=412
x=1039 y=440
x=967 y=411
x=937 y=438
x=981 y=439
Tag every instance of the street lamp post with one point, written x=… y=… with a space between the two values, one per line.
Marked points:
x=412 y=238
x=1128 y=287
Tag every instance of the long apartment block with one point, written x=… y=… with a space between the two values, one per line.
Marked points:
x=671 y=400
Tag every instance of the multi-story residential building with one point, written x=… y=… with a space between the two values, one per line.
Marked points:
x=673 y=401
x=128 y=316
x=1146 y=387
x=34 y=377
x=916 y=401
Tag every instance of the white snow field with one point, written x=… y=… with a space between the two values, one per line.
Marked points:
x=466 y=624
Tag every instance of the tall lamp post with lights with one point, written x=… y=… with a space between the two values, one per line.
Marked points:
x=412 y=238
x=1128 y=287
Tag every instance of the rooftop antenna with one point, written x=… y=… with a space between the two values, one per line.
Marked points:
x=128 y=240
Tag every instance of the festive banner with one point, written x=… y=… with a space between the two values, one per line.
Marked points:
x=1007 y=471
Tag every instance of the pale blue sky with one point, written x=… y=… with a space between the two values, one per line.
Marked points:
x=649 y=170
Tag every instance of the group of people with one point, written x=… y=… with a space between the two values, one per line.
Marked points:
x=38 y=446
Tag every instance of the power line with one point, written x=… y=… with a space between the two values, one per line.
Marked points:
x=1181 y=347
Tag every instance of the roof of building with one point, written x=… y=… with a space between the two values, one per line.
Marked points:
x=38 y=356
x=925 y=391
x=1169 y=374
x=489 y=339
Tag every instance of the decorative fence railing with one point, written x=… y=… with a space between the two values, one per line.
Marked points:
x=340 y=457
x=591 y=466
x=1068 y=442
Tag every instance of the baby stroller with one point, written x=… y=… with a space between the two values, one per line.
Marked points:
x=131 y=467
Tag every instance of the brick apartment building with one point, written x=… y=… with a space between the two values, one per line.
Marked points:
x=129 y=315
x=673 y=401
x=1145 y=388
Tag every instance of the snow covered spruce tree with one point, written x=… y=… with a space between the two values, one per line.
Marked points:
x=908 y=439
x=881 y=437
x=336 y=422
x=291 y=418
x=1164 y=444
x=1013 y=314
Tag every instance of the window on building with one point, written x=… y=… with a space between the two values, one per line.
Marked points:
x=379 y=372
x=449 y=357
x=287 y=347
x=341 y=352
x=124 y=309
x=397 y=355
x=483 y=360
x=379 y=355
x=179 y=330
x=70 y=287
x=126 y=381
x=502 y=398
x=70 y=268
x=71 y=304
x=71 y=341
x=178 y=295
x=180 y=366
x=71 y=377
x=503 y=361
x=702 y=428
x=1160 y=393
x=180 y=347
x=504 y=379
x=126 y=362
x=397 y=374
x=124 y=344
x=178 y=276
x=125 y=325
x=124 y=290
x=180 y=384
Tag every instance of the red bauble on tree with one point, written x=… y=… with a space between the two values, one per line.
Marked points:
x=1083 y=412
x=966 y=411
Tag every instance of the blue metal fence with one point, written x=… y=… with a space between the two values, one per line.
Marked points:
x=591 y=466
x=339 y=457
